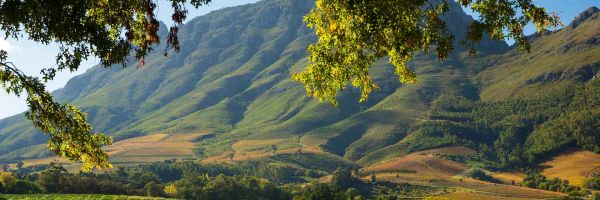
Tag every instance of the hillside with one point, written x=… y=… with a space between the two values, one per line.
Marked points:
x=232 y=79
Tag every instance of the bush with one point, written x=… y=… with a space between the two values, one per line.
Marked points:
x=481 y=175
x=592 y=183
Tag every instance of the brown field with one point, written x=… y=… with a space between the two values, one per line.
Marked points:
x=230 y=156
x=470 y=195
x=248 y=145
x=257 y=149
x=425 y=163
x=145 y=149
x=158 y=145
x=470 y=188
x=44 y=161
x=507 y=177
x=433 y=170
x=573 y=165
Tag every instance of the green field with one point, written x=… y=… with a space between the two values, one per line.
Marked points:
x=74 y=196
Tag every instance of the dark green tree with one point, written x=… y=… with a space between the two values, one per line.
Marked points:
x=53 y=179
x=342 y=179
x=154 y=189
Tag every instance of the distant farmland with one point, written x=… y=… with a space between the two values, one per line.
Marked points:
x=425 y=163
x=257 y=149
x=145 y=149
x=430 y=169
x=508 y=177
x=573 y=165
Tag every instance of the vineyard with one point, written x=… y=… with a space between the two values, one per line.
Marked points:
x=446 y=167
x=144 y=149
x=424 y=163
x=470 y=188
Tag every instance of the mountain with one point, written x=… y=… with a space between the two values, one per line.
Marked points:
x=232 y=77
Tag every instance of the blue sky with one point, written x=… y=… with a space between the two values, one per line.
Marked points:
x=31 y=57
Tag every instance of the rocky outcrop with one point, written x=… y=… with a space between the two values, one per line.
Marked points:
x=585 y=15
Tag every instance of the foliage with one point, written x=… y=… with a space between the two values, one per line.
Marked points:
x=77 y=197
x=537 y=181
x=592 y=183
x=384 y=190
x=593 y=180
x=352 y=35
x=481 y=175
x=11 y=184
x=70 y=135
x=342 y=179
x=171 y=190
x=197 y=181
x=82 y=28
x=321 y=191
x=109 y=30
x=53 y=178
x=516 y=131
x=226 y=187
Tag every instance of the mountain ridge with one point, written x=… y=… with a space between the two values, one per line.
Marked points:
x=232 y=77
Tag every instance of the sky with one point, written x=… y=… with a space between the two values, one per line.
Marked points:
x=31 y=57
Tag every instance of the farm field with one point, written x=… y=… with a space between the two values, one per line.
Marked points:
x=426 y=168
x=144 y=149
x=573 y=165
x=425 y=163
x=469 y=195
x=74 y=197
x=257 y=149
x=507 y=177
x=158 y=145
x=470 y=188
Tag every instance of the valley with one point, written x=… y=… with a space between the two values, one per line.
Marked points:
x=429 y=168
x=223 y=117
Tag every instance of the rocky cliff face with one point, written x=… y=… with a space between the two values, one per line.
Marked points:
x=588 y=14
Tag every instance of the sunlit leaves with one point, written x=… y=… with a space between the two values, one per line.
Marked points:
x=353 y=34
x=108 y=29
x=70 y=134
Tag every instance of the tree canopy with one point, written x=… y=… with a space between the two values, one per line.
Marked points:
x=352 y=35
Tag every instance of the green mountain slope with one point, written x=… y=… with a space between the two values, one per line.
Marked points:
x=232 y=77
x=531 y=105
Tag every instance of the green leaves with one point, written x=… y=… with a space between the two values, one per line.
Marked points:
x=108 y=29
x=352 y=35
x=69 y=133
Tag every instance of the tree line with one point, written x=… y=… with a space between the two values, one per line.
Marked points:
x=184 y=180
x=518 y=131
